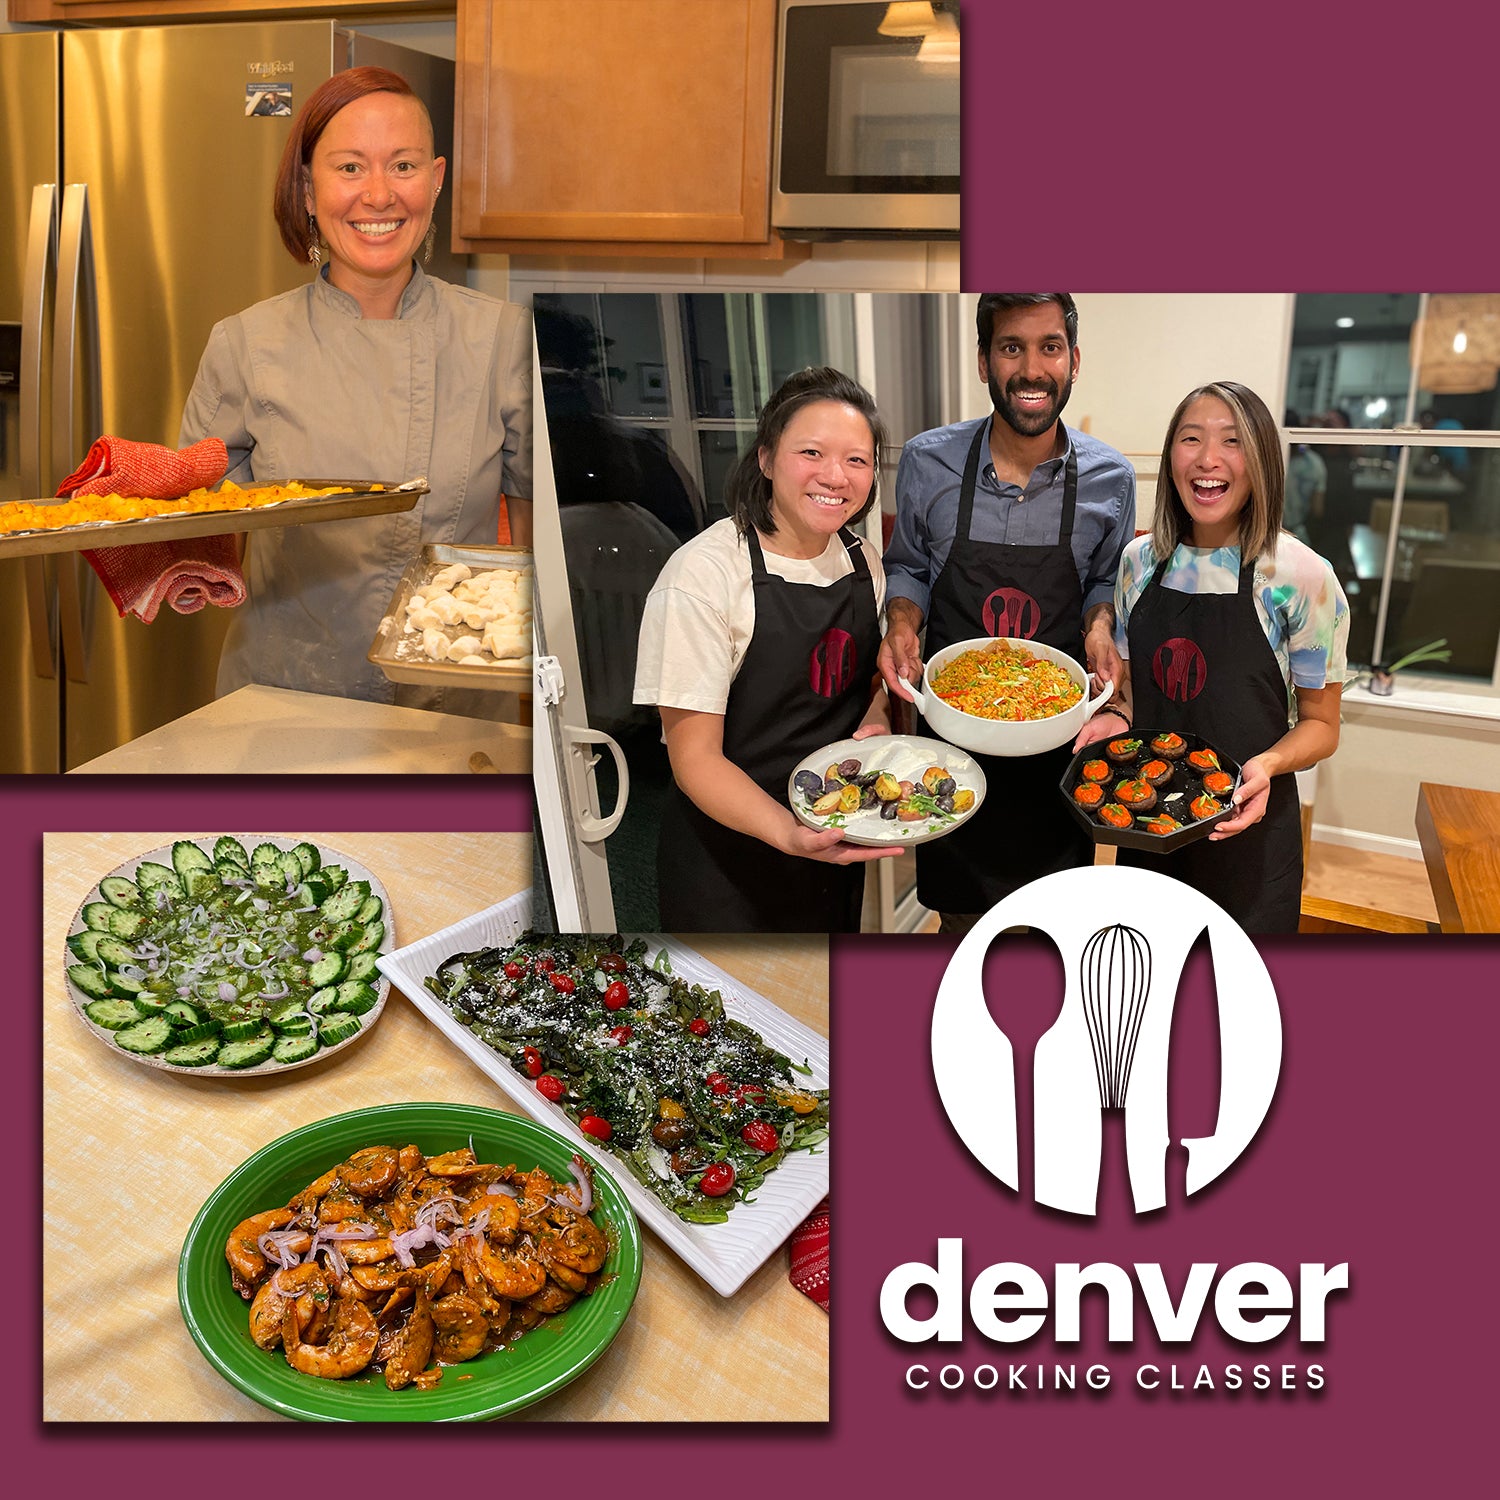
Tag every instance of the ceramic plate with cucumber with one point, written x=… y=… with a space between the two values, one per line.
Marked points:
x=233 y=955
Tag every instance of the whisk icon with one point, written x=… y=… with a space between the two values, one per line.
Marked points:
x=1115 y=980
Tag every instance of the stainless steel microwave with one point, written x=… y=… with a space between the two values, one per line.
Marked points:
x=867 y=119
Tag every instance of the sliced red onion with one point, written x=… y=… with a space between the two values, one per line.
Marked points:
x=280 y=994
x=227 y=991
x=504 y=1187
x=132 y=971
x=184 y=990
x=163 y=900
x=312 y=955
x=413 y=1239
x=584 y=1202
x=243 y=897
x=439 y=1208
x=260 y=903
x=276 y=1245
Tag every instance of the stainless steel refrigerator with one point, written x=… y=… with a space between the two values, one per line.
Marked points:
x=135 y=212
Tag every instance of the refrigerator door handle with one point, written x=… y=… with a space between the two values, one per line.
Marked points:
x=41 y=255
x=77 y=301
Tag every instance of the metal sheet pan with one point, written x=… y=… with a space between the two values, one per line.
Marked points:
x=360 y=497
x=391 y=646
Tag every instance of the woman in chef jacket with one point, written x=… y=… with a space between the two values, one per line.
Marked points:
x=373 y=370
x=1236 y=631
x=758 y=645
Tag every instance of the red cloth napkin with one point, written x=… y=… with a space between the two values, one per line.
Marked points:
x=140 y=578
x=810 y=1256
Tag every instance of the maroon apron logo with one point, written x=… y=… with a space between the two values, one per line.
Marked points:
x=1011 y=612
x=1179 y=669
x=830 y=668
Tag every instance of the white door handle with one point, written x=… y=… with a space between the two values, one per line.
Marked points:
x=591 y=829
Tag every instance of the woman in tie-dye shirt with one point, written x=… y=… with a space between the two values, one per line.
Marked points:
x=1234 y=630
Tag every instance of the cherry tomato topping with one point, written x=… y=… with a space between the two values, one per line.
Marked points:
x=620 y=1035
x=750 y=1093
x=617 y=995
x=533 y=1060
x=613 y=963
x=717 y=1083
x=762 y=1135
x=698 y=1026
x=563 y=983
x=550 y=1086
x=717 y=1180
x=514 y=969
x=544 y=965
x=596 y=1126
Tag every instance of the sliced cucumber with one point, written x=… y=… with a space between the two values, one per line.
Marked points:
x=355 y=998
x=204 y=1031
x=195 y=1054
x=231 y=850
x=363 y=966
x=85 y=944
x=124 y=984
x=187 y=858
x=147 y=1036
x=346 y=936
x=113 y=1015
x=111 y=951
x=262 y=855
x=150 y=1002
x=149 y=875
x=346 y=901
x=126 y=924
x=180 y=1013
x=336 y=876
x=239 y=1031
x=119 y=891
x=247 y=1053
x=97 y=914
x=374 y=936
x=369 y=911
x=91 y=981
x=230 y=873
x=269 y=878
x=300 y=1024
x=338 y=1027
x=202 y=885
x=290 y=867
x=328 y=970
x=294 y=1049
x=309 y=858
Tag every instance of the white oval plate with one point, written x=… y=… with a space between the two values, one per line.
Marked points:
x=879 y=752
x=163 y=856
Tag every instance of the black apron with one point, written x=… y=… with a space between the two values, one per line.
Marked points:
x=805 y=682
x=1201 y=664
x=1023 y=829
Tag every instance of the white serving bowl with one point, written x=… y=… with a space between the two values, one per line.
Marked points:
x=1001 y=736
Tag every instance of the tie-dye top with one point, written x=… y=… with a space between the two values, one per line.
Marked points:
x=1298 y=601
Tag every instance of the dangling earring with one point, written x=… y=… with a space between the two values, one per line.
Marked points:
x=315 y=249
x=431 y=243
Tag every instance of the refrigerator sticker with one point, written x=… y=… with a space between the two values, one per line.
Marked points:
x=268 y=100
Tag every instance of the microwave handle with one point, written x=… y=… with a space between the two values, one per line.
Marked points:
x=77 y=304
x=41 y=256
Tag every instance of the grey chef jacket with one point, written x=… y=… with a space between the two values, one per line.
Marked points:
x=302 y=386
x=927 y=485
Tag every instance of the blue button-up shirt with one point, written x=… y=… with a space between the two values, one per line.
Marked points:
x=927 y=485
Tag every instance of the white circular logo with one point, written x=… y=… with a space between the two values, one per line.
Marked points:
x=1124 y=935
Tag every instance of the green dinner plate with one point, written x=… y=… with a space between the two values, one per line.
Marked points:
x=502 y=1381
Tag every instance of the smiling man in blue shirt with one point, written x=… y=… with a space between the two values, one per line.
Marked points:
x=1009 y=525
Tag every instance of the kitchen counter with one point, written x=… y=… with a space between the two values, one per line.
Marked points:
x=133 y=1152
x=268 y=729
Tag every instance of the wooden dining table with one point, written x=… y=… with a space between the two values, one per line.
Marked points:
x=1459 y=828
x=130 y=1153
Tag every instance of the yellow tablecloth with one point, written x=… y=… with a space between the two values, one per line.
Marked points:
x=131 y=1152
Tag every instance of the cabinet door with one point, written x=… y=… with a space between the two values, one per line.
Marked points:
x=615 y=120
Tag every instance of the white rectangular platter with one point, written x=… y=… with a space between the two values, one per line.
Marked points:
x=724 y=1255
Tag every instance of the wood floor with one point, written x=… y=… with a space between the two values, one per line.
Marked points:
x=1383 y=882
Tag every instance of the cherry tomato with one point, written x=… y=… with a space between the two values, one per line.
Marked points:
x=533 y=1060
x=596 y=1126
x=544 y=965
x=514 y=969
x=550 y=1086
x=717 y=1083
x=620 y=1035
x=717 y=1181
x=762 y=1135
x=698 y=1026
x=613 y=963
x=750 y=1093
x=617 y=996
x=563 y=983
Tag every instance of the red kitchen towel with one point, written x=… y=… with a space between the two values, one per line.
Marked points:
x=118 y=466
x=810 y=1256
x=184 y=574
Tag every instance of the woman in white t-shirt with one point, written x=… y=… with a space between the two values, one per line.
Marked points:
x=758 y=645
x=1235 y=631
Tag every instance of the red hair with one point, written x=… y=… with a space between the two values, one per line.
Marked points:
x=325 y=101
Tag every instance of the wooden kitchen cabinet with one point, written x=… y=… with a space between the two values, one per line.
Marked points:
x=61 y=11
x=615 y=127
